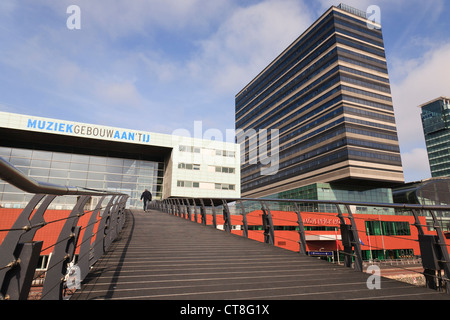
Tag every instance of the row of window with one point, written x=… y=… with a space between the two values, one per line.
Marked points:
x=188 y=184
x=189 y=166
x=303 y=157
x=276 y=112
x=196 y=167
x=195 y=184
x=225 y=169
x=323 y=118
x=354 y=43
x=192 y=149
x=388 y=228
x=303 y=167
x=300 y=50
x=317 y=34
x=290 y=85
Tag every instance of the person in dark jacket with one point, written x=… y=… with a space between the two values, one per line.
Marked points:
x=146 y=196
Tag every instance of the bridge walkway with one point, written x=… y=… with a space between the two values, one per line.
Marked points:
x=159 y=256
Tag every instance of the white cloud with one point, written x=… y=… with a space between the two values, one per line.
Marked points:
x=427 y=80
x=416 y=165
x=118 y=18
x=247 y=42
x=118 y=93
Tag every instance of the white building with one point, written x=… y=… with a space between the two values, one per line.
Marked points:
x=108 y=158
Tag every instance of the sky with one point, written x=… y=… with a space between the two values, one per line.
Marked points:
x=168 y=65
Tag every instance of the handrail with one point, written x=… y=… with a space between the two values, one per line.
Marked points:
x=433 y=247
x=19 y=251
x=17 y=178
x=406 y=206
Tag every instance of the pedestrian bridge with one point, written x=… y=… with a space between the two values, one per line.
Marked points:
x=162 y=256
x=187 y=249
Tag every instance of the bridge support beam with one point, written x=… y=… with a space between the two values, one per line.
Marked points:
x=350 y=240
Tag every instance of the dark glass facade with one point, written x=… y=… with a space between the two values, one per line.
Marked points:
x=328 y=95
x=432 y=192
x=436 y=127
x=337 y=192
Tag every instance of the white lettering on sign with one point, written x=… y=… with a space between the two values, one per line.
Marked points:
x=322 y=221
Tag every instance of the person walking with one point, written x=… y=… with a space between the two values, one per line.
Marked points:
x=146 y=196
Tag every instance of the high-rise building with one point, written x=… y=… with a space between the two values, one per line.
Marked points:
x=322 y=112
x=436 y=127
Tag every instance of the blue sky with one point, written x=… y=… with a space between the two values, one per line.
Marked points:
x=160 y=65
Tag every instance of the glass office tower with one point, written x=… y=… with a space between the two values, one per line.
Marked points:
x=436 y=127
x=325 y=105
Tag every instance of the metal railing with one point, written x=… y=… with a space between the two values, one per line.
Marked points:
x=20 y=252
x=434 y=255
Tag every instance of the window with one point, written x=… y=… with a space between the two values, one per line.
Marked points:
x=42 y=263
x=189 y=166
x=225 y=170
x=225 y=153
x=224 y=186
x=188 y=184
x=388 y=228
x=189 y=149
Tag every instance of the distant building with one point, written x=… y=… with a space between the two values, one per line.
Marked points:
x=325 y=107
x=106 y=158
x=431 y=192
x=436 y=127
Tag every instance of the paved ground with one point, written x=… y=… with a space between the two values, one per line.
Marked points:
x=162 y=257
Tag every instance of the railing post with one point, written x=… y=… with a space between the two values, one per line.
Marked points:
x=195 y=210
x=85 y=254
x=226 y=217
x=169 y=206
x=434 y=254
x=244 y=220
x=63 y=253
x=99 y=244
x=172 y=207
x=214 y=214
x=9 y=249
x=444 y=261
x=110 y=224
x=203 y=212
x=301 y=231
x=269 y=233
x=187 y=206
x=356 y=241
x=350 y=240
x=179 y=212
x=17 y=282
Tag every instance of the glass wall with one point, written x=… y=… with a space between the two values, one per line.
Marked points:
x=115 y=174
x=334 y=192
